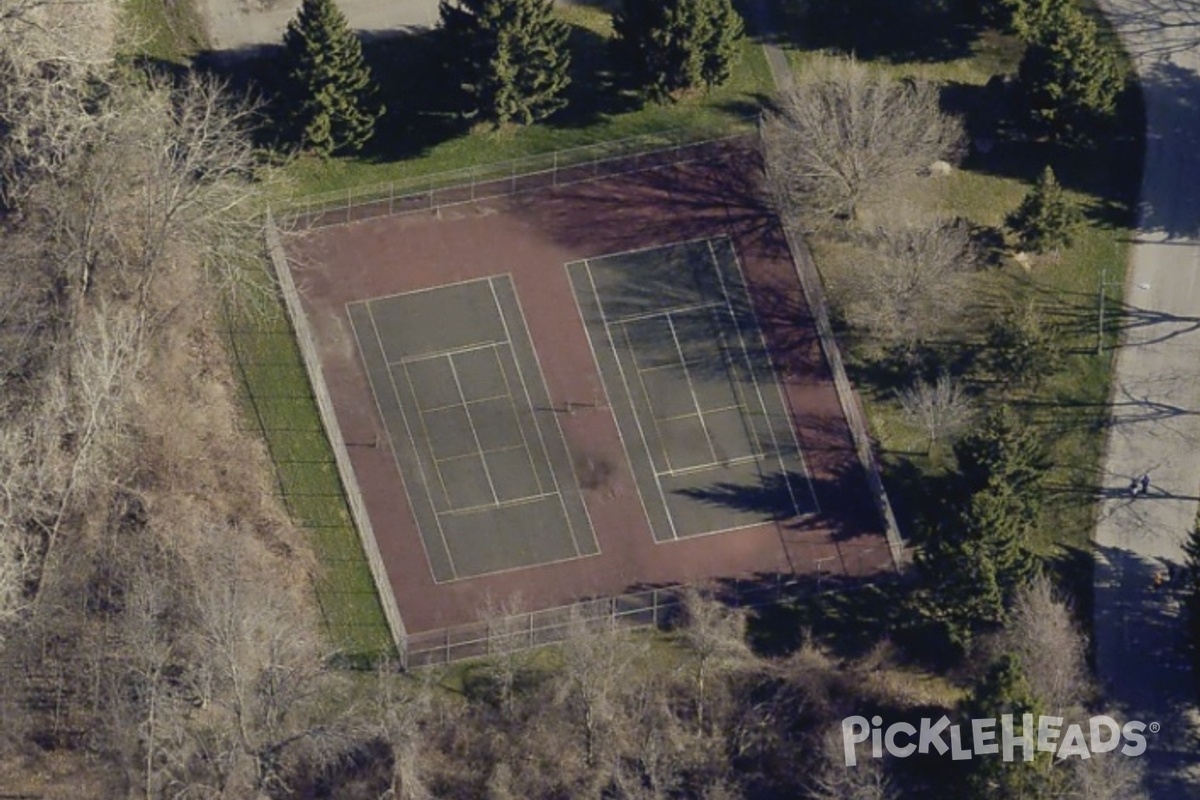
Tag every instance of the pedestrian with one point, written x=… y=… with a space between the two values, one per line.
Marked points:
x=1145 y=483
x=1133 y=488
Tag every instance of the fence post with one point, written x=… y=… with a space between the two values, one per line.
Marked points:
x=391 y=198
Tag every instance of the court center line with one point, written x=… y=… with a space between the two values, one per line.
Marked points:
x=766 y=352
x=516 y=501
x=512 y=403
x=529 y=399
x=784 y=405
x=474 y=433
x=428 y=436
x=632 y=408
x=728 y=357
x=716 y=264
x=416 y=450
x=450 y=351
x=654 y=420
x=665 y=312
x=687 y=377
x=448 y=406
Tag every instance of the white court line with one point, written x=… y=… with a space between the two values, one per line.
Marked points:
x=637 y=368
x=516 y=501
x=778 y=387
x=736 y=407
x=512 y=402
x=529 y=399
x=419 y=291
x=666 y=312
x=429 y=439
x=469 y=402
x=416 y=452
x=482 y=452
x=587 y=334
x=754 y=378
x=474 y=433
x=452 y=351
x=632 y=408
x=647 y=249
x=687 y=377
x=732 y=462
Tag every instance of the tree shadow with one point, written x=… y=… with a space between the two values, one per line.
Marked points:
x=1106 y=164
x=1144 y=662
x=895 y=31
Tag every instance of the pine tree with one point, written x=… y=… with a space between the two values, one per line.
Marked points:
x=511 y=56
x=1070 y=77
x=675 y=46
x=978 y=557
x=1191 y=597
x=331 y=94
x=1047 y=218
x=1005 y=690
x=1003 y=451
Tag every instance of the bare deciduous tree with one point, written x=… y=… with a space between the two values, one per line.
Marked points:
x=866 y=780
x=846 y=133
x=1051 y=649
x=910 y=281
x=716 y=635
x=940 y=408
x=1108 y=776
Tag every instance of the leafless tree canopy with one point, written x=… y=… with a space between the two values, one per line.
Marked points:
x=941 y=408
x=907 y=282
x=1050 y=646
x=846 y=133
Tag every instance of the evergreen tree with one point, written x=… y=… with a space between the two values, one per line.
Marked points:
x=1071 y=79
x=331 y=94
x=960 y=593
x=1046 y=218
x=1191 y=597
x=1024 y=346
x=978 y=557
x=511 y=57
x=1003 y=452
x=674 y=46
x=1005 y=690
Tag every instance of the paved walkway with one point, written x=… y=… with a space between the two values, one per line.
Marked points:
x=1156 y=404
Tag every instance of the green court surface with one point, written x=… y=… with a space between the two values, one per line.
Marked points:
x=477 y=441
x=686 y=370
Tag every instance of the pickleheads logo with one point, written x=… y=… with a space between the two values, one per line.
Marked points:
x=995 y=737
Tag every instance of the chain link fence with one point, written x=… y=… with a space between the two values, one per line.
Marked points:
x=532 y=173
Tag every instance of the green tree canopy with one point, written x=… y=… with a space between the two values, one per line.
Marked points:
x=978 y=554
x=1070 y=77
x=674 y=46
x=332 y=103
x=1047 y=218
x=1005 y=690
x=511 y=57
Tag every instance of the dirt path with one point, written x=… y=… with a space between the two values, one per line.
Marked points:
x=1156 y=403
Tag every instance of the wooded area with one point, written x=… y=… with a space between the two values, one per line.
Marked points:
x=158 y=636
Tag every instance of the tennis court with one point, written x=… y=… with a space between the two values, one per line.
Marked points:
x=475 y=436
x=689 y=379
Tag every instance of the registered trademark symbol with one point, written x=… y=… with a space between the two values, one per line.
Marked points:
x=1155 y=727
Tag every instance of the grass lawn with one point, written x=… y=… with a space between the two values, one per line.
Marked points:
x=421 y=135
x=165 y=31
x=1070 y=405
x=279 y=404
